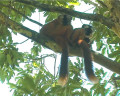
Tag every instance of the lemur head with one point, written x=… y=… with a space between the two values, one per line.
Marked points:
x=88 y=29
x=66 y=19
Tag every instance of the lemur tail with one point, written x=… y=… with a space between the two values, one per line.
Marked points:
x=63 y=74
x=88 y=63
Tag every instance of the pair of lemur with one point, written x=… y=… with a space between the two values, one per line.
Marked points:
x=64 y=35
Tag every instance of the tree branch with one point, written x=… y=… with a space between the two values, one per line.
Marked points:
x=92 y=3
x=19 y=28
x=21 y=14
x=47 y=42
x=87 y=16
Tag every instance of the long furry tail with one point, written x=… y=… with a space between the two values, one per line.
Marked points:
x=88 y=62
x=63 y=75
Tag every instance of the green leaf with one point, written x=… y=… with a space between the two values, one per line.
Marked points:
x=12 y=86
x=103 y=50
x=2 y=59
x=28 y=82
x=9 y=59
x=99 y=45
x=113 y=54
x=2 y=75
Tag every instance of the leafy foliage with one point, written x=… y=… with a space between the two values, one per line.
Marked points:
x=32 y=78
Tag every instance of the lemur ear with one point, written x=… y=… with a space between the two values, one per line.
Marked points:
x=66 y=19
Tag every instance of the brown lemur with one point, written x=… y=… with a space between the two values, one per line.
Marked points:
x=64 y=35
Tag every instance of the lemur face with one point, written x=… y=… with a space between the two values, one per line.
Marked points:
x=88 y=29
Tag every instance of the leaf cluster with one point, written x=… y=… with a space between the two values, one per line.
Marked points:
x=33 y=78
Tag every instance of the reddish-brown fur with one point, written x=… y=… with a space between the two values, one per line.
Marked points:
x=63 y=34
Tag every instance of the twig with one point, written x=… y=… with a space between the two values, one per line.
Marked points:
x=88 y=9
x=21 y=42
x=55 y=66
x=102 y=4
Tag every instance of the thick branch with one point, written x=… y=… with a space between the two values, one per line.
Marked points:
x=87 y=16
x=98 y=58
x=102 y=60
x=31 y=34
